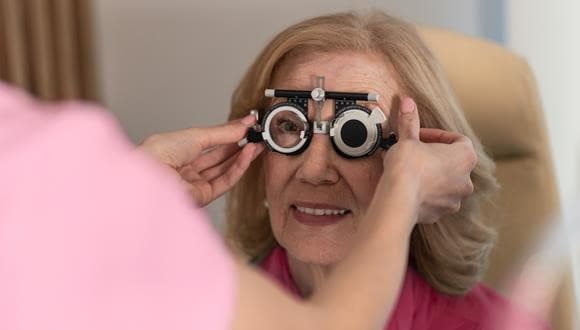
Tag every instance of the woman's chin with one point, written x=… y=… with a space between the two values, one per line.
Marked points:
x=317 y=252
x=316 y=244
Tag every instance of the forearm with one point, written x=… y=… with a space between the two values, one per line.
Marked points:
x=360 y=292
x=365 y=286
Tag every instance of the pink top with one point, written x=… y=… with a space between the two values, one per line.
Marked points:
x=94 y=235
x=420 y=307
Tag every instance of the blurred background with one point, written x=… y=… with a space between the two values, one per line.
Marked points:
x=170 y=64
x=165 y=65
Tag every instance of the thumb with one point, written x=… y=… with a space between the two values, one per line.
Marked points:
x=408 y=124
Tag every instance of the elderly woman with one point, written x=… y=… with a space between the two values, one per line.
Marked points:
x=297 y=209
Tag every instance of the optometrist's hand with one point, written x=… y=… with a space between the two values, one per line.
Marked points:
x=433 y=166
x=207 y=160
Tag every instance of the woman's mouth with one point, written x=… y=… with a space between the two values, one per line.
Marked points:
x=318 y=214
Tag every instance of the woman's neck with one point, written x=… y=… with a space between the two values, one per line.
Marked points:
x=308 y=277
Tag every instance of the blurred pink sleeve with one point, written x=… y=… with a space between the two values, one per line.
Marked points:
x=94 y=235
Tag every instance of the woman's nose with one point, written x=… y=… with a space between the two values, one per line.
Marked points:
x=318 y=162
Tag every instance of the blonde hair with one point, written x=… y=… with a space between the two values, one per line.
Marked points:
x=451 y=254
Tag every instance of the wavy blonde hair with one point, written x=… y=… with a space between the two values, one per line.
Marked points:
x=451 y=254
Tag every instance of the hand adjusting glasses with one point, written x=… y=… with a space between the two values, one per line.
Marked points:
x=355 y=130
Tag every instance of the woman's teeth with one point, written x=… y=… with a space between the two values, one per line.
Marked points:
x=312 y=211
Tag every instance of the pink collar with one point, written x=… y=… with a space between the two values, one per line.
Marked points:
x=419 y=306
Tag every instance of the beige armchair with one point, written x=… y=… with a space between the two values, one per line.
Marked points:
x=498 y=93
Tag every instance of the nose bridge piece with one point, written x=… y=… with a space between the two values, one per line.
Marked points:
x=321 y=127
x=318 y=95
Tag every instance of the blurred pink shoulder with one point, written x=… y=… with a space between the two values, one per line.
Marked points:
x=94 y=235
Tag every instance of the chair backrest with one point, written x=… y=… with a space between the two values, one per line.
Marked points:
x=499 y=96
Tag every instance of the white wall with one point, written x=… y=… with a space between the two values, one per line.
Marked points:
x=174 y=63
x=547 y=33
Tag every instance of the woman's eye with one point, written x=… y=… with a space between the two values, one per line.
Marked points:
x=288 y=126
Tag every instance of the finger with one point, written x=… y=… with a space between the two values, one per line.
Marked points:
x=455 y=207
x=408 y=124
x=219 y=170
x=201 y=192
x=436 y=135
x=214 y=157
x=232 y=175
x=259 y=149
x=189 y=174
x=468 y=188
x=459 y=144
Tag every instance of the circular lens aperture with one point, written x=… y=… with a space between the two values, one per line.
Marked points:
x=353 y=133
x=287 y=129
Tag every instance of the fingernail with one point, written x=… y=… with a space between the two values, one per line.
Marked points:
x=248 y=120
x=408 y=105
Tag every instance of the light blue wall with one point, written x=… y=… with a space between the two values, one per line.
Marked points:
x=493 y=19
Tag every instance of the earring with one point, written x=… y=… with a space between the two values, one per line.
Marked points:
x=266 y=205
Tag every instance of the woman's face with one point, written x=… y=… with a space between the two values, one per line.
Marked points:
x=319 y=181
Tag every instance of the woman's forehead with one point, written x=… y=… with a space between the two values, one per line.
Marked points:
x=338 y=68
